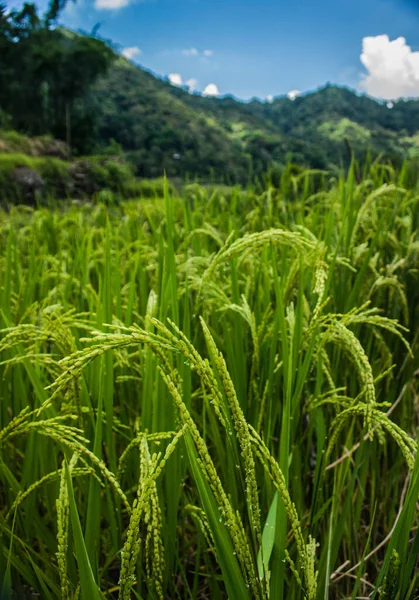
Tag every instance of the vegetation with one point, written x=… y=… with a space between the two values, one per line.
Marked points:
x=213 y=395
x=35 y=170
x=74 y=87
x=45 y=73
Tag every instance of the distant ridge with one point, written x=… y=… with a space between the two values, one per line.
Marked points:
x=163 y=127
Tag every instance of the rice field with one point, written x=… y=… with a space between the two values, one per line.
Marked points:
x=213 y=394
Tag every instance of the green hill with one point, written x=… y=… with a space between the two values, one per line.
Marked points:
x=160 y=130
x=77 y=89
x=165 y=127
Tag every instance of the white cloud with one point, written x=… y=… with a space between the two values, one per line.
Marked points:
x=175 y=79
x=393 y=68
x=190 y=52
x=195 y=52
x=269 y=98
x=211 y=90
x=111 y=4
x=131 y=53
x=389 y=104
x=192 y=84
x=292 y=94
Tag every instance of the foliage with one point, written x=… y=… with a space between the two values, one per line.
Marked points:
x=161 y=126
x=45 y=70
x=52 y=171
x=213 y=395
x=77 y=89
x=13 y=142
x=60 y=179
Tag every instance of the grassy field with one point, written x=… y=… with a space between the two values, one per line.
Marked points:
x=213 y=395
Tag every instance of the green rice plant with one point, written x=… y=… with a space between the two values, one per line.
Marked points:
x=213 y=395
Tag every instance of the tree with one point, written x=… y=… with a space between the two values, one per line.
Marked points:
x=45 y=70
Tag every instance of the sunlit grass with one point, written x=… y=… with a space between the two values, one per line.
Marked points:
x=213 y=395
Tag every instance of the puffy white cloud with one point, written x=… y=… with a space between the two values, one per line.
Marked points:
x=192 y=84
x=190 y=52
x=292 y=94
x=269 y=98
x=393 y=68
x=208 y=53
x=111 y=4
x=175 y=79
x=131 y=53
x=211 y=90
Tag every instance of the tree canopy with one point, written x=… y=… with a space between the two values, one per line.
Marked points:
x=45 y=71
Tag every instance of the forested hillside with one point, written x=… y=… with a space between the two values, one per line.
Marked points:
x=77 y=88
x=155 y=120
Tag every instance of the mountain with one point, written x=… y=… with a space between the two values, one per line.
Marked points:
x=160 y=130
x=74 y=87
x=163 y=127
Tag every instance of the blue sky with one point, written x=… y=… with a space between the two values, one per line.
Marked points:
x=265 y=47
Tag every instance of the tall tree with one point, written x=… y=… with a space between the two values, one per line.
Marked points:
x=45 y=70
